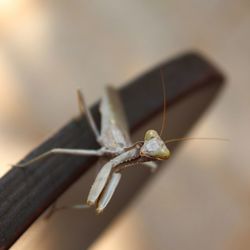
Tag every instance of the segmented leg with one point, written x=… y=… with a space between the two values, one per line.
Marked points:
x=85 y=110
x=99 y=184
x=55 y=209
x=103 y=199
x=103 y=177
x=108 y=192
x=81 y=152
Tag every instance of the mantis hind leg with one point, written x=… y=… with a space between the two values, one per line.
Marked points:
x=85 y=110
x=55 y=209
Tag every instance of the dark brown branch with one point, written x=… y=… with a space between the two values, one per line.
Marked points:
x=192 y=83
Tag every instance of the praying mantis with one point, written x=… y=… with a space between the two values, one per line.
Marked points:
x=116 y=145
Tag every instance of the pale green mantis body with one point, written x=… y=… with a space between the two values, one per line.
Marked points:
x=114 y=143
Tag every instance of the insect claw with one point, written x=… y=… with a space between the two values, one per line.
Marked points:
x=99 y=211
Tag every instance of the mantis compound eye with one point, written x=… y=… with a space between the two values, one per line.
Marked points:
x=150 y=134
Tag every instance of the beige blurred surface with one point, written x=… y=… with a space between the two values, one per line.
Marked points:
x=50 y=48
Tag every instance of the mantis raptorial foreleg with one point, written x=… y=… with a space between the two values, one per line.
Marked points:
x=103 y=177
x=80 y=152
x=99 y=183
x=108 y=191
x=100 y=193
x=103 y=201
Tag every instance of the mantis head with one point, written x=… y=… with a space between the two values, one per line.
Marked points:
x=154 y=147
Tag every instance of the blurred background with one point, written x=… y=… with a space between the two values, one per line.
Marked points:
x=50 y=48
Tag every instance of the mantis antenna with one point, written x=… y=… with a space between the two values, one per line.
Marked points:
x=196 y=138
x=164 y=116
x=164 y=120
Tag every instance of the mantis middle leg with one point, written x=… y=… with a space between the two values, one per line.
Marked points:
x=80 y=152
